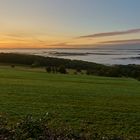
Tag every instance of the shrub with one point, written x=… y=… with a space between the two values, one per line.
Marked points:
x=35 y=64
x=12 y=66
x=48 y=69
x=62 y=69
x=78 y=70
x=54 y=69
x=138 y=78
x=30 y=128
x=37 y=129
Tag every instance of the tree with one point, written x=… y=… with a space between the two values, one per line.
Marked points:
x=12 y=66
x=78 y=70
x=138 y=78
x=35 y=64
x=48 y=69
x=62 y=69
x=54 y=69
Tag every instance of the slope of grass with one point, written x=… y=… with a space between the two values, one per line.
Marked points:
x=106 y=105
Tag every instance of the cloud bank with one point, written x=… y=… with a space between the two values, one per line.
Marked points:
x=136 y=41
x=112 y=33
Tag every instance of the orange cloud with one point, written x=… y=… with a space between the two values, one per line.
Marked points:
x=137 y=41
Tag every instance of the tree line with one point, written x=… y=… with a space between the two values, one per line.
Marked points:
x=60 y=65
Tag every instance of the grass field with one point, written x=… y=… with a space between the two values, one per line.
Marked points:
x=106 y=105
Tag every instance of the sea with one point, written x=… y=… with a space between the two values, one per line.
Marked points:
x=108 y=55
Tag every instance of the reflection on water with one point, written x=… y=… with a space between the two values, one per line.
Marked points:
x=99 y=55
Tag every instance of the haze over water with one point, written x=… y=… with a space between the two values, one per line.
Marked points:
x=127 y=54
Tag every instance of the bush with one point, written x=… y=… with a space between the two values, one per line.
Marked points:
x=30 y=128
x=54 y=69
x=37 y=129
x=78 y=70
x=48 y=69
x=35 y=64
x=62 y=69
x=12 y=66
x=138 y=78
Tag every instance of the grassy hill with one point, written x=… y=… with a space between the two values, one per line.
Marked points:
x=104 y=105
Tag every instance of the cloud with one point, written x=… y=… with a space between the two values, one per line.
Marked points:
x=59 y=44
x=137 y=41
x=112 y=33
x=17 y=35
x=100 y=44
x=23 y=37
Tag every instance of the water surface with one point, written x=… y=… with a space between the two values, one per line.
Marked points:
x=104 y=55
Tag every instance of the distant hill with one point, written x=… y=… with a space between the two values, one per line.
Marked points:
x=91 y=68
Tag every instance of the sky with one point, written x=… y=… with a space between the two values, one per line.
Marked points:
x=68 y=23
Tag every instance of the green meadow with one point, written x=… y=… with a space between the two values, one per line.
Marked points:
x=99 y=104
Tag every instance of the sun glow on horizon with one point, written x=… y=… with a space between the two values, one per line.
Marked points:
x=58 y=24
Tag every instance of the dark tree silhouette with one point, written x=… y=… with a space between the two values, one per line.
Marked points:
x=48 y=69
x=62 y=69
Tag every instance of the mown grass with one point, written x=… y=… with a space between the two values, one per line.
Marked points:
x=103 y=105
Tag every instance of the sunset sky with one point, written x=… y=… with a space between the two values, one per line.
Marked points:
x=68 y=23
